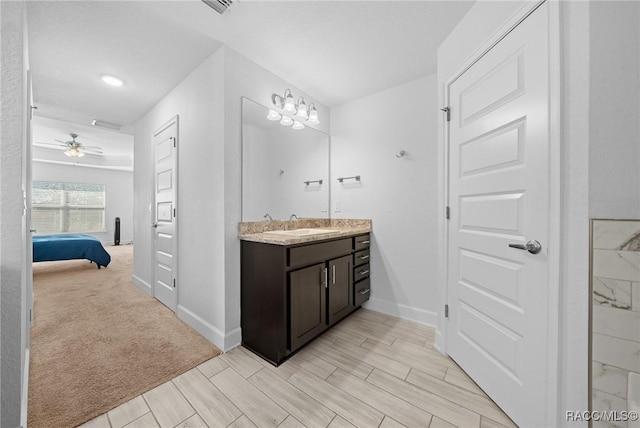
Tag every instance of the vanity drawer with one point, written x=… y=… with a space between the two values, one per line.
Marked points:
x=308 y=254
x=361 y=257
x=362 y=242
x=360 y=272
x=362 y=291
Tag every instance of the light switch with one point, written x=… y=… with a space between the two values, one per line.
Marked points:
x=336 y=206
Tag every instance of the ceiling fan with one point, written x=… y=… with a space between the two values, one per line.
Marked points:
x=74 y=148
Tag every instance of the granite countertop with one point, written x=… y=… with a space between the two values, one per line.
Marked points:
x=254 y=231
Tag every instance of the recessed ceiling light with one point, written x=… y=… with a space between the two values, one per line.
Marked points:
x=111 y=80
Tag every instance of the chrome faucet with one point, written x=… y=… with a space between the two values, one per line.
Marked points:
x=293 y=217
x=267 y=216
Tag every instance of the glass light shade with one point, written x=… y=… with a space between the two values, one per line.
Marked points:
x=74 y=153
x=286 y=121
x=297 y=125
x=289 y=104
x=274 y=115
x=313 y=116
x=302 y=109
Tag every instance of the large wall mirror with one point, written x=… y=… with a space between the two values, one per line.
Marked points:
x=284 y=171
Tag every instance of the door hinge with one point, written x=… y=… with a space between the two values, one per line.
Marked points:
x=446 y=311
x=447 y=213
x=174 y=283
x=448 y=111
x=30 y=315
x=174 y=212
x=174 y=141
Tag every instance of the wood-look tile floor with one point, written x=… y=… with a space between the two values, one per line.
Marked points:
x=370 y=370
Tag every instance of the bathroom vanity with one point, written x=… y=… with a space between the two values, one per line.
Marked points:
x=297 y=283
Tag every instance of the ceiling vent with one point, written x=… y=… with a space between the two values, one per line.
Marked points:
x=219 y=6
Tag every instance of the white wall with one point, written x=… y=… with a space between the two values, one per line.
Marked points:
x=480 y=24
x=198 y=101
x=398 y=194
x=208 y=103
x=614 y=128
x=118 y=188
x=13 y=107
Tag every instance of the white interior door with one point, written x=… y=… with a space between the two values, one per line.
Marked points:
x=499 y=196
x=165 y=143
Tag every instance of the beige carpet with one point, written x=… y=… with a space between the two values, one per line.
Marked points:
x=98 y=341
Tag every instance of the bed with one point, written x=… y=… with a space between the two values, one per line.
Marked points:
x=69 y=247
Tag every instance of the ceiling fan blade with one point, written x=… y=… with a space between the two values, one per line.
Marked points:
x=95 y=150
x=66 y=143
x=61 y=145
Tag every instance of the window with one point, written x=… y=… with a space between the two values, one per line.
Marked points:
x=68 y=207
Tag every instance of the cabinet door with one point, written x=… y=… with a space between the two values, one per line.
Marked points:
x=307 y=304
x=340 y=288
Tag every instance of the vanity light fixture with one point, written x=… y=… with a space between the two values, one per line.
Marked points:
x=299 y=109
x=274 y=115
x=297 y=125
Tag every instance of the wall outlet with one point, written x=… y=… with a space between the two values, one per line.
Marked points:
x=337 y=207
x=324 y=208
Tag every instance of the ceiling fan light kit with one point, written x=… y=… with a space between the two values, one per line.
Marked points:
x=74 y=148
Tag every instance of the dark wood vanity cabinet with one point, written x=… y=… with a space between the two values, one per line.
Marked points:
x=290 y=294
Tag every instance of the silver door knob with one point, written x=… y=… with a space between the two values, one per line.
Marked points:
x=155 y=225
x=532 y=246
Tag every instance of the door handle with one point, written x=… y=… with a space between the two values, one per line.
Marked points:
x=531 y=246
x=32 y=230
x=333 y=274
x=154 y=225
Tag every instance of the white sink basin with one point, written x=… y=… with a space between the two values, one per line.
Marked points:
x=301 y=232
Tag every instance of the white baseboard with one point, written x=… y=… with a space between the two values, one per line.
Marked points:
x=25 y=389
x=222 y=341
x=410 y=313
x=142 y=284
x=437 y=343
x=233 y=339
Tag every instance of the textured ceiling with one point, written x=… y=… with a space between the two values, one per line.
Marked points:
x=72 y=43
x=336 y=51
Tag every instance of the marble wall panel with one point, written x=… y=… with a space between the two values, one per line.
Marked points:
x=615 y=320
